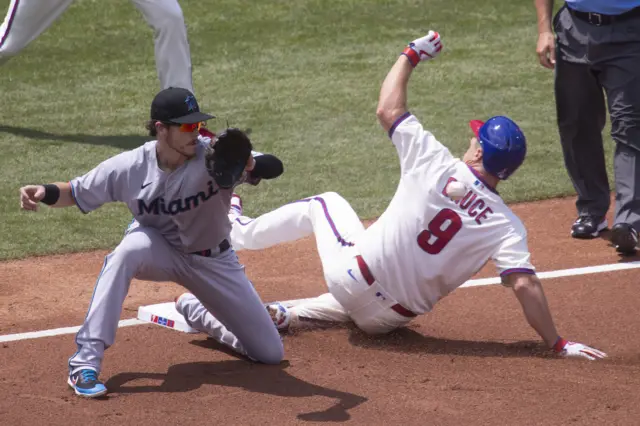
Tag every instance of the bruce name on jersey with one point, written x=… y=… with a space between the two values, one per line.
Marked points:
x=475 y=206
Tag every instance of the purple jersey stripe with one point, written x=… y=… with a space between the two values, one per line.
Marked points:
x=326 y=214
x=244 y=223
x=517 y=271
x=11 y=18
x=329 y=219
x=398 y=121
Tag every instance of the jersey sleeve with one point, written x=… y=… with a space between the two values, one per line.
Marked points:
x=512 y=256
x=417 y=147
x=99 y=186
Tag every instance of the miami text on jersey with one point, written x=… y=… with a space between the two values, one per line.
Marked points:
x=476 y=207
x=159 y=206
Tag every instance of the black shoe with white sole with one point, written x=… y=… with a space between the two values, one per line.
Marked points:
x=588 y=226
x=625 y=238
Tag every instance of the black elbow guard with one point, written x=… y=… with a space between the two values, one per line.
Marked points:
x=267 y=167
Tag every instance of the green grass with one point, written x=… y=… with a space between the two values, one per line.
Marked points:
x=303 y=75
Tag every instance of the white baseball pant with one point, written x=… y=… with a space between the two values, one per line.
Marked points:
x=336 y=227
x=27 y=19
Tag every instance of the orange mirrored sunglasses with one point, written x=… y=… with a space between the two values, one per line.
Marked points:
x=190 y=127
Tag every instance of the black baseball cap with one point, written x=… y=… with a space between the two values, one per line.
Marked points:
x=177 y=105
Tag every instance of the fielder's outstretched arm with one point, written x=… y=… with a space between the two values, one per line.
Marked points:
x=55 y=195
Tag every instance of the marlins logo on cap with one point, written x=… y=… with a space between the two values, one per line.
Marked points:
x=191 y=102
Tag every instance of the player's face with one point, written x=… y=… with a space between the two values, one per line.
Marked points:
x=182 y=140
x=474 y=153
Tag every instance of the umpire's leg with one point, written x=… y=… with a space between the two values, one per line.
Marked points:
x=581 y=118
x=620 y=77
x=581 y=115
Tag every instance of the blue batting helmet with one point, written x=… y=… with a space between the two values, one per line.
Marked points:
x=503 y=144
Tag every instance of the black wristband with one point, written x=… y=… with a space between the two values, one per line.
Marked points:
x=51 y=194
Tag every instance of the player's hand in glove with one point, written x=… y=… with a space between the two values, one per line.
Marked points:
x=423 y=48
x=568 y=349
x=228 y=156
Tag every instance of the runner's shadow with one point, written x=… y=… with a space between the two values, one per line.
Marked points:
x=122 y=141
x=253 y=377
x=407 y=340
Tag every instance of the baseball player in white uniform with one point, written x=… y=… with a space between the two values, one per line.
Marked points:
x=181 y=201
x=444 y=223
x=27 y=19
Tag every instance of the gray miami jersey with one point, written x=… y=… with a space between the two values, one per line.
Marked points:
x=185 y=205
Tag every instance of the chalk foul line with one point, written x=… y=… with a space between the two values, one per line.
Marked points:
x=471 y=283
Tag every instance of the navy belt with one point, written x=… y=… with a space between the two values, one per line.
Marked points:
x=366 y=273
x=222 y=247
x=599 y=19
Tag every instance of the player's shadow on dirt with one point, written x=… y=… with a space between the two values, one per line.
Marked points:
x=410 y=341
x=260 y=378
x=122 y=141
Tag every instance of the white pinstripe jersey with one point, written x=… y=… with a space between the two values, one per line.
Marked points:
x=425 y=245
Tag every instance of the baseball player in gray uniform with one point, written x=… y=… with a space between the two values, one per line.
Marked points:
x=178 y=188
x=27 y=19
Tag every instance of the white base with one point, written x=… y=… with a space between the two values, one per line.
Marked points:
x=165 y=315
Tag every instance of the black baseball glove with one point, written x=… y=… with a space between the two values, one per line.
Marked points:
x=227 y=155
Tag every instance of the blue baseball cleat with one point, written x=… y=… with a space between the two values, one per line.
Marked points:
x=85 y=383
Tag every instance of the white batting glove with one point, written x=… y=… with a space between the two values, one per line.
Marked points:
x=568 y=349
x=423 y=48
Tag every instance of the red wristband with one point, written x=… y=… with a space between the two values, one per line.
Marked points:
x=413 y=56
x=559 y=345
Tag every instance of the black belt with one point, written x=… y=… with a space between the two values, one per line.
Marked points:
x=366 y=273
x=222 y=247
x=599 y=19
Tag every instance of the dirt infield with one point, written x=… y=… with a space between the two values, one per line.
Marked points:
x=473 y=360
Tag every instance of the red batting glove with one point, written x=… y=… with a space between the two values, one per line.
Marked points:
x=423 y=48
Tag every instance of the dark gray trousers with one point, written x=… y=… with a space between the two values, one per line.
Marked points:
x=592 y=61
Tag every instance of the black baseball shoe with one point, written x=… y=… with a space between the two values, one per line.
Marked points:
x=625 y=238
x=588 y=226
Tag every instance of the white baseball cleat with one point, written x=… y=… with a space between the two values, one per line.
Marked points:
x=280 y=315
